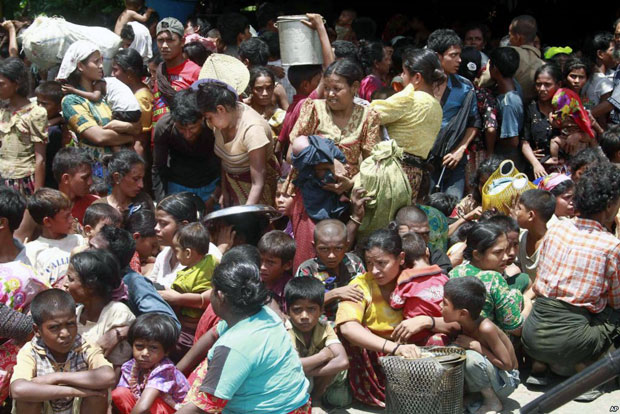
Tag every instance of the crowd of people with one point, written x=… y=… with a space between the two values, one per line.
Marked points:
x=381 y=163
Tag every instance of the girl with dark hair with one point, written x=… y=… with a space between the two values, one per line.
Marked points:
x=141 y=225
x=23 y=127
x=244 y=142
x=376 y=63
x=486 y=258
x=238 y=369
x=126 y=178
x=413 y=116
x=563 y=188
x=92 y=277
x=262 y=86
x=367 y=326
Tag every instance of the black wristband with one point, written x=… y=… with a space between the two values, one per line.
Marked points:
x=394 y=351
x=433 y=321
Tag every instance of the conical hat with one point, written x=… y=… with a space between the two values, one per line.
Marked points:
x=227 y=69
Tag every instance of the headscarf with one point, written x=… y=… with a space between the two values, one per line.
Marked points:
x=554 y=50
x=142 y=41
x=77 y=52
x=567 y=104
x=206 y=42
x=552 y=180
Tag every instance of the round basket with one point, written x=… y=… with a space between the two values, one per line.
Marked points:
x=503 y=187
x=428 y=385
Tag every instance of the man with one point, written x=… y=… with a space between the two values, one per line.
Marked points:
x=179 y=72
x=611 y=106
x=183 y=136
x=447 y=44
x=576 y=316
x=234 y=29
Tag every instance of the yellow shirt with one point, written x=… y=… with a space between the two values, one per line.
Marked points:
x=412 y=118
x=145 y=99
x=373 y=312
x=322 y=335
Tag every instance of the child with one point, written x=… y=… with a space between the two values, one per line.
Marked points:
x=141 y=225
x=49 y=254
x=333 y=265
x=491 y=366
x=57 y=365
x=277 y=250
x=49 y=96
x=98 y=215
x=419 y=290
x=569 y=115
x=99 y=188
x=284 y=202
x=534 y=209
x=323 y=357
x=132 y=14
x=149 y=381
x=610 y=144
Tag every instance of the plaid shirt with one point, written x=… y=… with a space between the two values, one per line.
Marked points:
x=579 y=263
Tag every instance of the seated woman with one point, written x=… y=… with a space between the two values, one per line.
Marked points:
x=244 y=142
x=487 y=256
x=262 y=84
x=367 y=326
x=126 y=177
x=264 y=373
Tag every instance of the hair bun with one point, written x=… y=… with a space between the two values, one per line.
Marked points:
x=438 y=76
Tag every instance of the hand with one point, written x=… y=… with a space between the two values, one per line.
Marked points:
x=410 y=327
x=452 y=159
x=341 y=186
x=474 y=214
x=116 y=125
x=278 y=71
x=149 y=11
x=224 y=237
x=315 y=21
x=350 y=292
x=539 y=170
x=408 y=351
x=67 y=89
x=358 y=203
x=19 y=24
x=467 y=342
x=85 y=392
x=113 y=337
x=539 y=153
x=8 y=25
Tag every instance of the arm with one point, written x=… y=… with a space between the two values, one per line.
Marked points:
x=148 y=397
x=281 y=97
x=452 y=159
x=197 y=353
x=142 y=18
x=539 y=170
x=105 y=137
x=316 y=23
x=355 y=333
x=411 y=326
x=258 y=171
x=13 y=324
x=95 y=379
x=160 y=160
x=190 y=300
x=39 y=165
x=316 y=361
x=12 y=32
x=23 y=390
x=358 y=211
x=94 y=96
x=122 y=127
x=339 y=362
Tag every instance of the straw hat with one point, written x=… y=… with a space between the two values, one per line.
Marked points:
x=227 y=69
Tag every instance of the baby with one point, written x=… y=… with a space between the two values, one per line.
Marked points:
x=573 y=120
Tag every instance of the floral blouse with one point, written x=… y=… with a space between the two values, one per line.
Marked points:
x=502 y=305
x=356 y=140
x=487 y=107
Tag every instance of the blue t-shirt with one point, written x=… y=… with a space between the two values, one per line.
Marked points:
x=510 y=107
x=254 y=366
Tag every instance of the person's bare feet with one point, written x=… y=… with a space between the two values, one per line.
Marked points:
x=490 y=404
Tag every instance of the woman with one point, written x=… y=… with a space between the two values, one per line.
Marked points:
x=487 y=256
x=244 y=142
x=263 y=375
x=537 y=130
x=367 y=326
x=413 y=116
x=129 y=69
x=81 y=66
x=23 y=128
x=262 y=84
x=126 y=177
x=563 y=188
x=376 y=63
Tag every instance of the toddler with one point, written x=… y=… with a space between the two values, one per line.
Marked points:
x=141 y=225
x=569 y=115
x=134 y=12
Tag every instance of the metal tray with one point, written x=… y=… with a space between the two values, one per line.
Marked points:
x=261 y=209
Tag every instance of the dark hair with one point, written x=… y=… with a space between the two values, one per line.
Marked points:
x=410 y=213
x=212 y=94
x=586 y=156
x=14 y=69
x=600 y=41
x=386 y=240
x=484 y=29
x=486 y=168
x=597 y=188
x=299 y=73
x=610 y=141
x=131 y=62
x=97 y=212
x=184 y=108
x=12 y=206
x=426 y=63
x=279 y=244
x=68 y=159
x=120 y=243
x=562 y=188
x=156 y=59
x=50 y=301
x=382 y=93
x=199 y=21
x=259 y=72
x=443 y=39
x=345 y=49
x=47 y=202
x=265 y=13
x=467 y=293
x=255 y=51
x=481 y=237
x=154 y=327
x=51 y=90
x=230 y=26
x=309 y=288
x=241 y=285
x=272 y=39
x=460 y=234
x=443 y=202
x=181 y=206
x=414 y=247
x=471 y=63
x=122 y=162
x=525 y=25
x=364 y=28
x=575 y=63
x=540 y=201
x=196 y=52
x=142 y=222
x=507 y=223
x=346 y=68
x=506 y=60
x=550 y=69
x=194 y=236
x=127 y=33
x=153 y=18
x=243 y=253
x=98 y=270
x=368 y=54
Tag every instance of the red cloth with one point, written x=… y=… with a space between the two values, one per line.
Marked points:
x=368 y=85
x=81 y=204
x=180 y=77
x=303 y=229
x=124 y=401
x=292 y=115
x=134 y=263
x=207 y=321
x=420 y=292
